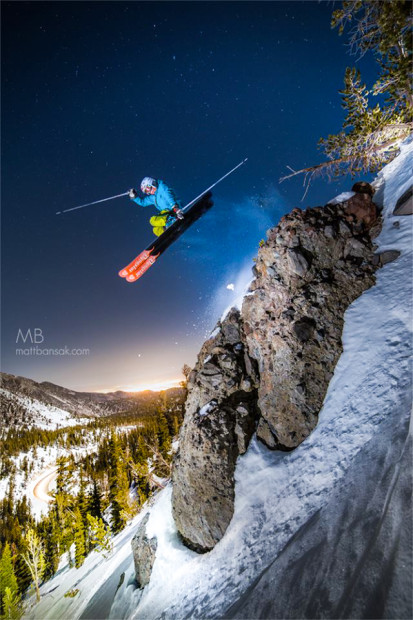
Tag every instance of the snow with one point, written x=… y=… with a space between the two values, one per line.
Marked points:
x=206 y=409
x=242 y=284
x=42 y=482
x=96 y=575
x=62 y=400
x=214 y=333
x=317 y=532
x=37 y=462
x=41 y=464
x=44 y=416
x=341 y=198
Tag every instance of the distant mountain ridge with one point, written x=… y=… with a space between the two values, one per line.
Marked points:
x=23 y=400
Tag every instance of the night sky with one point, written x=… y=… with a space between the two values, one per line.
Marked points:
x=96 y=95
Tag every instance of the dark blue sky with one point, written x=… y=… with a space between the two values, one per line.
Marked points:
x=96 y=95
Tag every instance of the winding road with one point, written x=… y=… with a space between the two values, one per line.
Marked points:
x=42 y=484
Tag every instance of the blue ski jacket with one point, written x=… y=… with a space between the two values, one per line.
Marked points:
x=163 y=199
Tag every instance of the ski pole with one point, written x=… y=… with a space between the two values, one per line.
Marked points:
x=127 y=193
x=92 y=203
x=216 y=183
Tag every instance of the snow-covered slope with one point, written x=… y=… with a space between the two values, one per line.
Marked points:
x=320 y=532
x=32 y=412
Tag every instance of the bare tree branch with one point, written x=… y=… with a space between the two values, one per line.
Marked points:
x=360 y=154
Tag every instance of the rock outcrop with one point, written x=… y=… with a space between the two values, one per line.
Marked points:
x=144 y=551
x=221 y=412
x=313 y=265
x=361 y=205
x=268 y=367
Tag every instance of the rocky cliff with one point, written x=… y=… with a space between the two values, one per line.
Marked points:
x=268 y=366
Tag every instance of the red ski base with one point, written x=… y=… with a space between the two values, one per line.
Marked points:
x=132 y=277
x=133 y=266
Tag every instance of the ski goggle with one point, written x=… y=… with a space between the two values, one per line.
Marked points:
x=149 y=189
x=149 y=185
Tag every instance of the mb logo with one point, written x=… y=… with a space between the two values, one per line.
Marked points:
x=32 y=335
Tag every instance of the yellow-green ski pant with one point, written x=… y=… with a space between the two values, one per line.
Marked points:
x=159 y=222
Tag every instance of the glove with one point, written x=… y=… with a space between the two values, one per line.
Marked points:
x=178 y=213
x=133 y=194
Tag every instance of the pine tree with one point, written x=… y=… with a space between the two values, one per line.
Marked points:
x=7 y=576
x=64 y=477
x=81 y=500
x=79 y=538
x=371 y=135
x=34 y=558
x=100 y=535
x=22 y=511
x=95 y=501
x=61 y=514
x=50 y=532
x=118 y=486
x=142 y=453
x=164 y=401
x=63 y=503
x=164 y=437
x=141 y=476
x=21 y=569
x=383 y=28
x=12 y=608
x=176 y=426
x=186 y=371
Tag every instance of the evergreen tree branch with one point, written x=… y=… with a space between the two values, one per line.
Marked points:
x=360 y=156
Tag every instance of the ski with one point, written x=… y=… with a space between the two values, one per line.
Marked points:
x=149 y=256
x=143 y=268
x=143 y=256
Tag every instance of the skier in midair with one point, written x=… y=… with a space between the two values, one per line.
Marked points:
x=161 y=196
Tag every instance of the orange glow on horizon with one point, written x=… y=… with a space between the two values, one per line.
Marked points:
x=154 y=387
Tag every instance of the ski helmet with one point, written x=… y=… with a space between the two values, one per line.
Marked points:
x=149 y=185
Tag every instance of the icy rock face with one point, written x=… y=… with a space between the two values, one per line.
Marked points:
x=220 y=418
x=144 y=550
x=313 y=265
